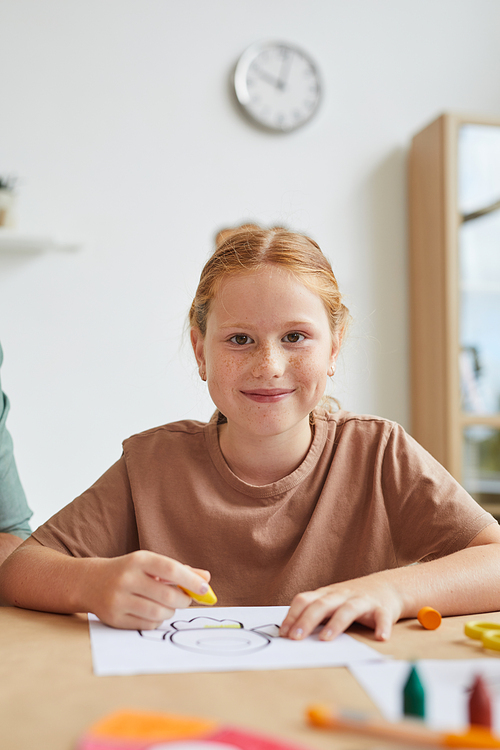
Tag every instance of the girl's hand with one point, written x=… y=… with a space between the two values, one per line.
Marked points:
x=374 y=603
x=140 y=590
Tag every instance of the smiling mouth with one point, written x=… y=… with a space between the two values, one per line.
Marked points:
x=269 y=396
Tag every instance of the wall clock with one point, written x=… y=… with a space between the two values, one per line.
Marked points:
x=278 y=85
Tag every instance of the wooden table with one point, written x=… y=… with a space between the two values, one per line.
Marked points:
x=49 y=694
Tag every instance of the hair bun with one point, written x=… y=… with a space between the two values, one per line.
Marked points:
x=223 y=235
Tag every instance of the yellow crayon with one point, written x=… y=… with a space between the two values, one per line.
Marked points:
x=209 y=598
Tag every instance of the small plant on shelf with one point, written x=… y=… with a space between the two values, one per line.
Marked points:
x=8 y=183
x=7 y=190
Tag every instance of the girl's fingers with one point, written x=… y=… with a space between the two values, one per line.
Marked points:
x=167 y=569
x=383 y=625
x=299 y=604
x=163 y=593
x=135 y=622
x=205 y=574
x=345 y=615
x=340 y=609
x=306 y=618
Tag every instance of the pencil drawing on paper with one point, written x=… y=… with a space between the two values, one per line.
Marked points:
x=207 y=635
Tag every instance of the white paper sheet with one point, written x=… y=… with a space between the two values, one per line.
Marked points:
x=225 y=639
x=446 y=684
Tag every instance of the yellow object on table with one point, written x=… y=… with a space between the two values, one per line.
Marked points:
x=486 y=632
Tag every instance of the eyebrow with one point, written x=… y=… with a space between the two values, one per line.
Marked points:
x=293 y=324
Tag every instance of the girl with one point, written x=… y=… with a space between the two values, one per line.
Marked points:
x=279 y=499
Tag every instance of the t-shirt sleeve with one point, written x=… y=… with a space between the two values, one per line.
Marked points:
x=99 y=523
x=430 y=514
x=14 y=510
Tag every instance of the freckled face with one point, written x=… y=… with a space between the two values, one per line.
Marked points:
x=267 y=351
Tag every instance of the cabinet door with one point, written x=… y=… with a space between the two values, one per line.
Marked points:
x=479 y=313
x=481 y=465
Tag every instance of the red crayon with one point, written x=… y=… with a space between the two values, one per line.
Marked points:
x=480 y=710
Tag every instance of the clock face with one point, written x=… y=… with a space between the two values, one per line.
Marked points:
x=278 y=85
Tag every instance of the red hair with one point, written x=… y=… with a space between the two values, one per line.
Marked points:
x=249 y=248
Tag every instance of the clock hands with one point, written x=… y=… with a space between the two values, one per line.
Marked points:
x=265 y=76
x=280 y=82
x=285 y=68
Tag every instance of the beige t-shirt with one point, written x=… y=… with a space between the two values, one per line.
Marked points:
x=366 y=498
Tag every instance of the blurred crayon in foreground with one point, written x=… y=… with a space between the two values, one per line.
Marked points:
x=413 y=695
x=480 y=706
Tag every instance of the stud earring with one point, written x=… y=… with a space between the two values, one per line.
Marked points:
x=331 y=371
x=203 y=374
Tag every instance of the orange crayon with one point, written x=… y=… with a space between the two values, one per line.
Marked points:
x=429 y=618
x=405 y=732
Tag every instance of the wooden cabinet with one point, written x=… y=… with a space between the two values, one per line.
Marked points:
x=454 y=214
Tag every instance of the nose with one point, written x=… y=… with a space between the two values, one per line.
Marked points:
x=268 y=361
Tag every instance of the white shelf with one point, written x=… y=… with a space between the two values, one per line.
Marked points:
x=12 y=241
x=485 y=287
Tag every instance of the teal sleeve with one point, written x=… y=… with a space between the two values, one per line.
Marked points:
x=14 y=510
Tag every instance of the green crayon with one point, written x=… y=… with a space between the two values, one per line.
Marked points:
x=413 y=695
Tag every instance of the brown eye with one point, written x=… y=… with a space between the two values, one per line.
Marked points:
x=241 y=339
x=293 y=338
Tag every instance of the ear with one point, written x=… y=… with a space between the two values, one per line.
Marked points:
x=198 y=344
x=336 y=344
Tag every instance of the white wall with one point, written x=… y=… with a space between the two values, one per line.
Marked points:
x=117 y=117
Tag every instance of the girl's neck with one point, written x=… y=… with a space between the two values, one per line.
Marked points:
x=260 y=460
